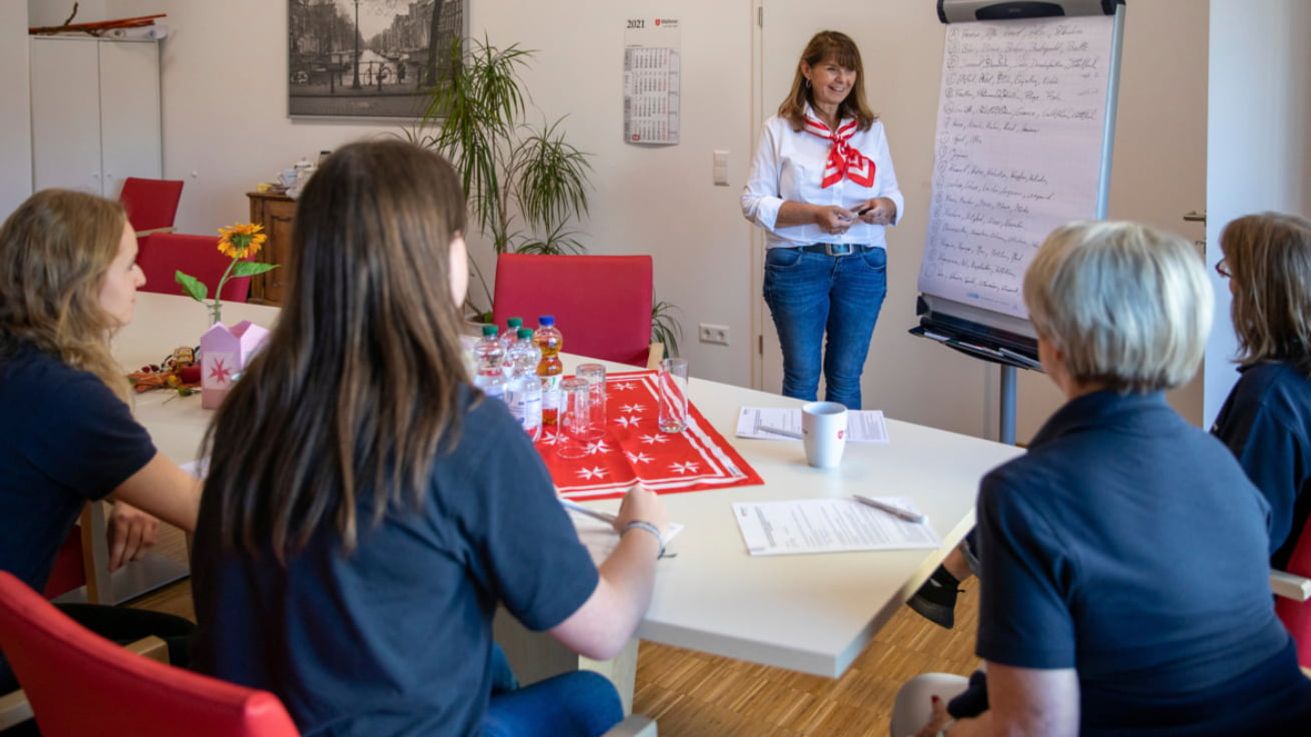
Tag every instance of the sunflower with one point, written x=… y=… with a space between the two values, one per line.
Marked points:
x=242 y=240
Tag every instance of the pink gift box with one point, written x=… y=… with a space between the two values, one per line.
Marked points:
x=224 y=355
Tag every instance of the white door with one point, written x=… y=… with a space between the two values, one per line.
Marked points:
x=65 y=114
x=129 y=112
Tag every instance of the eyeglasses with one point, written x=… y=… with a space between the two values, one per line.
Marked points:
x=1222 y=268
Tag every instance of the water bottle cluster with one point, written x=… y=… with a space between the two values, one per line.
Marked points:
x=522 y=368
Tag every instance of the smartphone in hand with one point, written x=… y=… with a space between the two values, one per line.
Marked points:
x=864 y=210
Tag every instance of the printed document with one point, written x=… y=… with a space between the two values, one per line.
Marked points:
x=863 y=426
x=828 y=526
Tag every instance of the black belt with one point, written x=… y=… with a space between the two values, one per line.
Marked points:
x=836 y=249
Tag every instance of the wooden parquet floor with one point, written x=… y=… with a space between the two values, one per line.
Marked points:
x=691 y=694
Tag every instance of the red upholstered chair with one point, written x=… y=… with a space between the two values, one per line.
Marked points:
x=602 y=304
x=79 y=683
x=151 y=204
x=1293 y=601
x=162 y=254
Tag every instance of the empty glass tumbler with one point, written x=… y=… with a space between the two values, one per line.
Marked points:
x=671 y=385
x=594 y=373
x=575 y=418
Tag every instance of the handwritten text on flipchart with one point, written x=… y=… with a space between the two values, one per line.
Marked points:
x=1017 y=152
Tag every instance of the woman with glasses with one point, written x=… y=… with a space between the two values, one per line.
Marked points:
x=1266 y=421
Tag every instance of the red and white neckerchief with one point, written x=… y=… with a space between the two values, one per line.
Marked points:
x=844 y=160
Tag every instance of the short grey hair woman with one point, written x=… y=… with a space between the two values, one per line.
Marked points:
x=1124 y=581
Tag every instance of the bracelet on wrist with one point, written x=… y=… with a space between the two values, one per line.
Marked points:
x=641 y=524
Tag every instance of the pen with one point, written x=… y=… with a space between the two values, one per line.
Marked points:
x=587 y=511
x=892 y=509
x=781 y=431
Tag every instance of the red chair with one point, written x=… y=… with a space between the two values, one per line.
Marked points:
x=602 y=304
x=162 y=254
x=1293 y=603
x=151 y=204
x=79 y=683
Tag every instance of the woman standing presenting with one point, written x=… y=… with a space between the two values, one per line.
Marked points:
x=823 y=188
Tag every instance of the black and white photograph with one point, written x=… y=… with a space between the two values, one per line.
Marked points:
x=369 y=58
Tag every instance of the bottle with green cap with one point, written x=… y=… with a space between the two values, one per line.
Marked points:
x=508 y=337
x=488 y=357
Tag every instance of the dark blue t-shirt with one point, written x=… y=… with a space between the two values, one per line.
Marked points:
x=396 y=638
x=1266 y=422
x=67 y=439
x=1130 y=546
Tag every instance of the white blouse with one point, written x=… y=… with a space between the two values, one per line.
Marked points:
x=789 y=165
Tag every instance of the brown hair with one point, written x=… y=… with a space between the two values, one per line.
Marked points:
x=824 y=46
x=357 y=391
x=1269 y=258
x=54 y=252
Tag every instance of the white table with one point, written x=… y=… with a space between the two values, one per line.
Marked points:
x=810 y=613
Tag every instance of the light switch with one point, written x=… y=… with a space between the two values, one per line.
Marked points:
x=721 y=168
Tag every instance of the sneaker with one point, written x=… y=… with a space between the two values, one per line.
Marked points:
x=936 y=599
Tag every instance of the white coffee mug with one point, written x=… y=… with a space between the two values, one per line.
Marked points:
x=824 y=431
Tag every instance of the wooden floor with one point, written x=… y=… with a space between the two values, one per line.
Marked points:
x=695 y=695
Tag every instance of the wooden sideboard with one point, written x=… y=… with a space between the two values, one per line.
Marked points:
x=276 y=212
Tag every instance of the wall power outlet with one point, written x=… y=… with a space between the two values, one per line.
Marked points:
x=717 y=334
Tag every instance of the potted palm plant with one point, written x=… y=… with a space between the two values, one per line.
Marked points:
x=527 y=185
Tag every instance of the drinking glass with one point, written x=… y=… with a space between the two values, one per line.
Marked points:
x=594 y=373
x=671 y=386
x=575 y=418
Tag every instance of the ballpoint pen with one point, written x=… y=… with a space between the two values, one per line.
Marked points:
x=892 y=509
x=780 y=431
x=587 y=511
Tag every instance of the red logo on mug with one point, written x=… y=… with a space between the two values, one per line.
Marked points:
x=841 y=433
x=657 y=21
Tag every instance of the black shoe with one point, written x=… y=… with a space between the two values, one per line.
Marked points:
x=936 y=599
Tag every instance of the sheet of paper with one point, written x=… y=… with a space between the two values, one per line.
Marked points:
x=863 y=426
x=600 y=538
x=828 y=526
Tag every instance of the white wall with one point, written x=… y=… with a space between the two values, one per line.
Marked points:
x=1260 y=139
x=225 y=128
x=55 y=12
x=16 y=113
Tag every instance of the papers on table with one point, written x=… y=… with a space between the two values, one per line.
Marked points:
x=828 y=526
x=597 y=533
x=782 y=423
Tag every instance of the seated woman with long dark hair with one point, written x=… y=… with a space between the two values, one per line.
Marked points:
x=367 y=510
x=1124 y=582
x=68 y=280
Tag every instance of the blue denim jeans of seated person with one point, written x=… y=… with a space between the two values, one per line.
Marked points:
x=814 y=294
x=578 y=704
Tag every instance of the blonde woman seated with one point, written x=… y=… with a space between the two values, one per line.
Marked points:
x=68 y=280
x=1124 y=582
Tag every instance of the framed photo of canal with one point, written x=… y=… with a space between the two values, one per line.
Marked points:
x=369 y=58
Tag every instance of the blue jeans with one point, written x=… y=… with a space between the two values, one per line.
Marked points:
x=578 y=704
x=810 y=294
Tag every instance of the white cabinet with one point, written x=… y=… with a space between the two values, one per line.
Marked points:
x=95 y=113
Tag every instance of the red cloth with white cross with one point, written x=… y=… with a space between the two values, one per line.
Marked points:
x=634 y=449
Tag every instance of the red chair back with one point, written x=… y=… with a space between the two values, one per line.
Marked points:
x=69 y=570
x=1296 y=615
x=151 y=203
x=602 y=304
x=162 y=254
x=79 y=683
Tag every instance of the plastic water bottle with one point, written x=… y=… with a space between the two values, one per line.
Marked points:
x=508 y=338
x=524 y=391
x=487 y=357
x=549 y=369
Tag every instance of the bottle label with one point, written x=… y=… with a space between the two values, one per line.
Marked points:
x=551 y=393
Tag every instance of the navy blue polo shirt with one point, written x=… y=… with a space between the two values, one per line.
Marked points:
x=1130 y=546
x=1266 y=422
x=395 y=638
x=67 y=439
